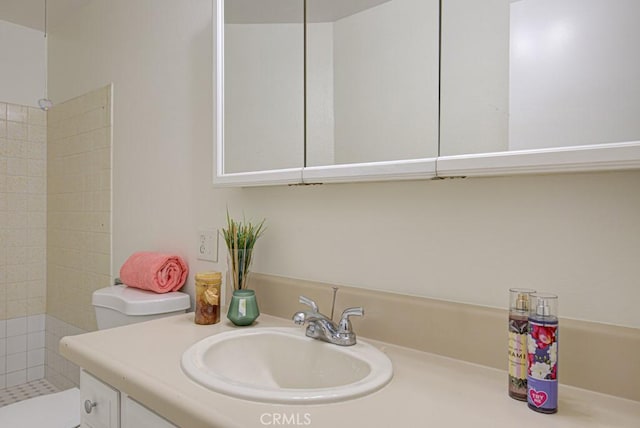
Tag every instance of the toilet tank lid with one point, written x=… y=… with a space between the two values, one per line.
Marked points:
x=133 y=301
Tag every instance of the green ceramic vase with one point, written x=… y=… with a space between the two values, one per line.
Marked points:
x=243 y=308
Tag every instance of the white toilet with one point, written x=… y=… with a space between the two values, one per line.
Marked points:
x=121 y=305
x=115 y=306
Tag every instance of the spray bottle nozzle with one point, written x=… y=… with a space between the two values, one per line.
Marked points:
x=543 y=308
x=522 y=302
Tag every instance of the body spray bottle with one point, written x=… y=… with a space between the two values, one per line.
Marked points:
x=519 y=299
x=542 y=355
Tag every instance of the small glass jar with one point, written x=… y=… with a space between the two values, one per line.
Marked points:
x=208 y=286
x=243 y=308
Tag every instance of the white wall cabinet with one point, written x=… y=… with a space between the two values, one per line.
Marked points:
x=103 y=406
x=322 y=91
x=526 y=87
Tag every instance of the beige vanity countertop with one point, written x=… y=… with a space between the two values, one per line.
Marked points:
x=143 y=360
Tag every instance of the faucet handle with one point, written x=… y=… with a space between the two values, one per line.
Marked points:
x=307 y=301
x=345 y=324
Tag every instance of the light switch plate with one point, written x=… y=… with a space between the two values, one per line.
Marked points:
x=208 y=245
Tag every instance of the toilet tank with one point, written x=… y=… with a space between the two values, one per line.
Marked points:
x=119 y=305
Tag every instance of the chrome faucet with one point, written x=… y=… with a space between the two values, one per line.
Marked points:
x=323 y=328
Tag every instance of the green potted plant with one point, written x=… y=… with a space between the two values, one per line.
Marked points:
x=240 y=237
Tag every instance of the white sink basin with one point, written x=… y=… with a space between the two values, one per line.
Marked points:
x=282 y=365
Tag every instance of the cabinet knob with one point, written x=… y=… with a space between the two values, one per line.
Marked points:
x=89 y=405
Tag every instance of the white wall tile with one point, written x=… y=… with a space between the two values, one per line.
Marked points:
x=51 y=341
x=35 y=373
x=58 y=370
x=51 y=324
x=3 y=347
x=3 y=381
x=16 y=362
x=54 y=360
x=35 y=357
x=35 y=340
x=16 y=378
x=3 y=364
x=49 y=355
x=16 y=326
x=3 y=329
x=16 y=344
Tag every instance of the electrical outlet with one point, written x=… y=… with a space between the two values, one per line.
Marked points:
x=208 y=245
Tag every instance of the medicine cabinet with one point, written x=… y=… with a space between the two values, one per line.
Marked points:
x=323 y=91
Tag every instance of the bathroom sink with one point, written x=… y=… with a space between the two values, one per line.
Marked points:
x=282 y=365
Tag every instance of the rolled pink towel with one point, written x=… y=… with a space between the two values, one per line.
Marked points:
x=157 y=272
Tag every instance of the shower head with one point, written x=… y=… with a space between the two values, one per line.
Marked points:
x=45 y=103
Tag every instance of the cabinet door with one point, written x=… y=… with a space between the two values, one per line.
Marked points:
x=539 y=86
x=260 y=90
x=100 y=403
x=135 y=415
x=321 y=91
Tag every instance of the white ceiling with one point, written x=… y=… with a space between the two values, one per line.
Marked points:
x=280 y=11
x=30 y=13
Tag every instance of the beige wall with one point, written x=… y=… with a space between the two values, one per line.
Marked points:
x=58 y=370
x=22 y=210
x=79 y=206
x=460 y=240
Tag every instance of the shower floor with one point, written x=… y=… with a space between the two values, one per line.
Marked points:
x=25 y=391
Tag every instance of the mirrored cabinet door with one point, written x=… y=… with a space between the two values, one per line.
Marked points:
x=326 y=90
x=263 y=85
x=371 y=81
x=523 y=75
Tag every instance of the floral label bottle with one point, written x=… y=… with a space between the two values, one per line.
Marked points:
x=542 y=355
x=517 y=349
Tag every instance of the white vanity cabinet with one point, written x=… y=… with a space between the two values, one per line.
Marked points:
x=103 y=406
x=99 y=402
x=135 y=415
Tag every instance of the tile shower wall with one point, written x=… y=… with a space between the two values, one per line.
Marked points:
x=23 y=132
x=78 y=206
x=78 y=221
x=58 y=370
x=22 y=211
x=22 y=350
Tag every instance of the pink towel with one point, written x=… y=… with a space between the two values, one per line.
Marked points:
x=157 y=272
